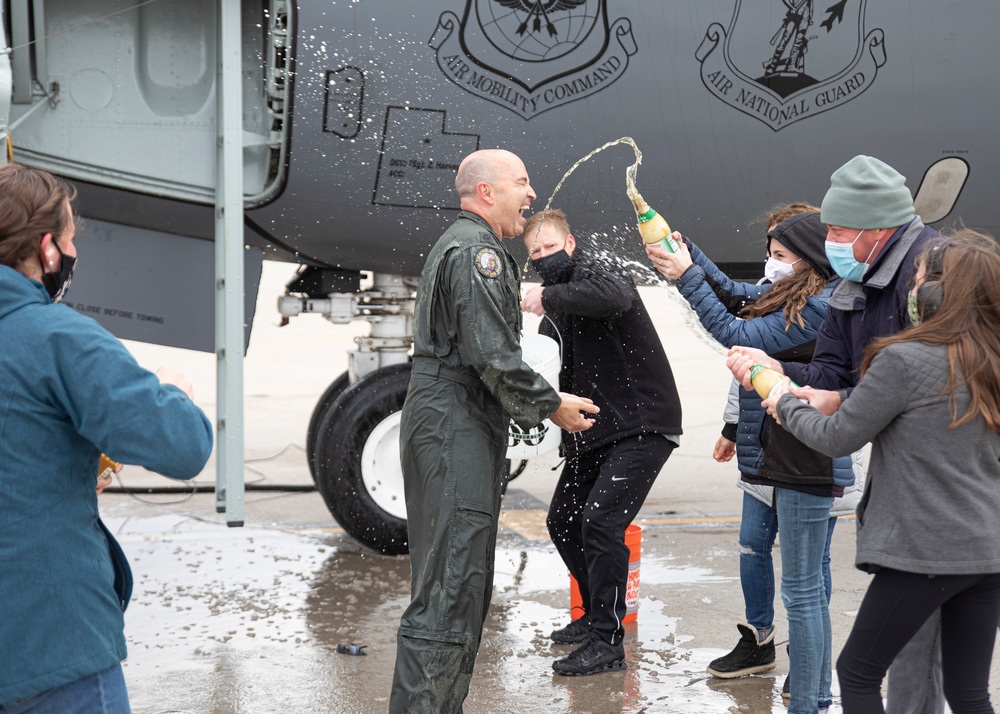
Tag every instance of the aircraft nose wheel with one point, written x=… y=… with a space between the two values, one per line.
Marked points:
x=331 y=394
x=356 y=460
x=353 y=452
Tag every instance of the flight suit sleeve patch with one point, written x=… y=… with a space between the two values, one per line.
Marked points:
x=488 y=263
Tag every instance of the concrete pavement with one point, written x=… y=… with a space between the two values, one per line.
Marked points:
x=248 y=620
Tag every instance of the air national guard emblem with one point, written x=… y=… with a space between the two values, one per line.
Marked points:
x=530 y=56
x=785 y=60
x=488 y=263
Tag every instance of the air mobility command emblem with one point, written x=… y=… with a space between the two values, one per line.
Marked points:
x=530 y=56
x=488 y=263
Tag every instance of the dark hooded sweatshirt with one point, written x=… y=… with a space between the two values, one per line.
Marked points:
x=611 y=353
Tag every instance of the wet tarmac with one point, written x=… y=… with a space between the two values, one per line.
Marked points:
x=248 y=620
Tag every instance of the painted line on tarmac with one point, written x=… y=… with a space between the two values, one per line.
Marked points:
x=529 y=523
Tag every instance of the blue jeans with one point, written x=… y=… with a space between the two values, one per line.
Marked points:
x=805 y=530
x=101 y=693
x=757 y=531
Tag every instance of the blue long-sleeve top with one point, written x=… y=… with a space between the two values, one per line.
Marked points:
x=69 y=390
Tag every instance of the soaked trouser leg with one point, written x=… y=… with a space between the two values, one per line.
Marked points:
x=565 y=522
x=452 y=448
x=895 y=607
x=758 y=528
x=622 y=475
x=915 y=685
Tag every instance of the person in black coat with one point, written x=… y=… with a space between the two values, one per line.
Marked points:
x=611 y=354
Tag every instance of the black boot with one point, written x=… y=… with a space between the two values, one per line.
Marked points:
x=595 y=656
x=576 y=631
x=748 y=657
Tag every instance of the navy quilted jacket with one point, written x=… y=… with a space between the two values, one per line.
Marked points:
x=703 y=285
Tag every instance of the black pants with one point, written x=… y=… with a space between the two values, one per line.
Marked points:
x=599 y=493
x=894 y=608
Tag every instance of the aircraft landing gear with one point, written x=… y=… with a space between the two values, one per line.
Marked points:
x=353 y=451
x=331 y=395
x=356 y=459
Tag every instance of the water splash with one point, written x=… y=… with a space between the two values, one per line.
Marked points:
x=630 y=174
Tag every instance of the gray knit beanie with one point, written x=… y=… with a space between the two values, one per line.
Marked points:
x=866 y=193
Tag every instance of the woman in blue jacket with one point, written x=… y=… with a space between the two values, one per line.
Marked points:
x=68 y=392
x=782 y=318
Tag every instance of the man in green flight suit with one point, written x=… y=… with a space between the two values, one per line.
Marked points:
x=468 y=381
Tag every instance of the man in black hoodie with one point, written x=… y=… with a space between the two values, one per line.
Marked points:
x=612 y=354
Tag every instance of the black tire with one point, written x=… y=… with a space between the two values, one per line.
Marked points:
x=331 y=394
x=340 y=441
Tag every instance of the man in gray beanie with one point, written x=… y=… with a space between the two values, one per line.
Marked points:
x=873 y=239
x=868 y=196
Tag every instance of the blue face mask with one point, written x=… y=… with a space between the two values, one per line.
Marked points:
x=842 y=260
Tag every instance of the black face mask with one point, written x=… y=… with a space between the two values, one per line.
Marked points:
x=57 y=285
x=553 y=267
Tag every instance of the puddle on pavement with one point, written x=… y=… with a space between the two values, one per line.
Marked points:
x=246 y=621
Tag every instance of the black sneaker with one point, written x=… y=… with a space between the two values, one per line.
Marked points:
x=748 y=657
x=595 y=656
x=576 y=631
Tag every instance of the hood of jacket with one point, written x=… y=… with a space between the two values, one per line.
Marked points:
x=804 y=235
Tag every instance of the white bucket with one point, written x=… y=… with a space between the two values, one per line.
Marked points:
x=541 y=353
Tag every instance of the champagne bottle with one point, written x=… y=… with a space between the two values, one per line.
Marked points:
x=106 y=468
x=764 y=380
x=652 y=226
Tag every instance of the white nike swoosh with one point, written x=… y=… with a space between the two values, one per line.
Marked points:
x=623 y=478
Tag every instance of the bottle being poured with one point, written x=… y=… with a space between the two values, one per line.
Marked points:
x=653 y=227
x=765 y=380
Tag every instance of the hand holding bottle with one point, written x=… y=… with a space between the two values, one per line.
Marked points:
x=782 y=387
x=670 y=265
x=742 y=359
x=106 y=469
x=825 y=401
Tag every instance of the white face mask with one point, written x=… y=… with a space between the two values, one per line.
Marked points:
x=775 y=270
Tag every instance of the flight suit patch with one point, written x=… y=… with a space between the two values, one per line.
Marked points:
x=488 y=263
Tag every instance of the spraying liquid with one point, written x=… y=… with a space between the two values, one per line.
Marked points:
x=629 y=180
x=652 y=227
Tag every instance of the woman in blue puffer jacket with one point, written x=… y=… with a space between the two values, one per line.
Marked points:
x=781 y=318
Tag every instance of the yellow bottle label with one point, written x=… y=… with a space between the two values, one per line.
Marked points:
x=764 y=380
